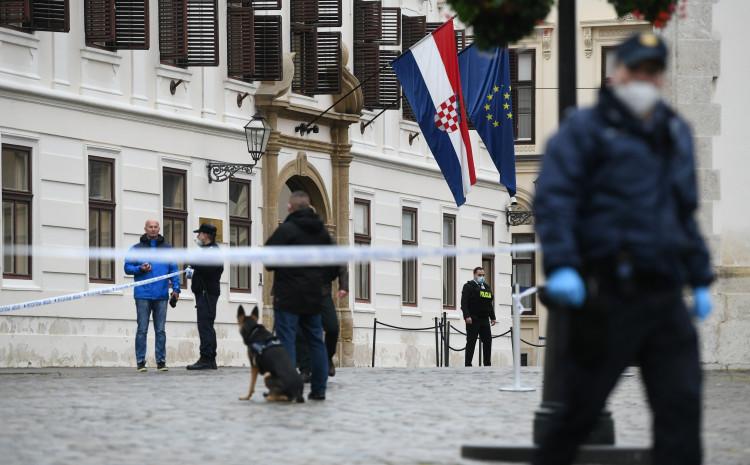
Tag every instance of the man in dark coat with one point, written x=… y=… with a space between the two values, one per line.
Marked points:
x=206 y=289
x=297 y=290
x=478 y=307
x=615 y=204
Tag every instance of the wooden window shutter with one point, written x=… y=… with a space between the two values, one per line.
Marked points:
x=367 y=21
x=49 y=15
x=99 y=21
x=172 y=30
x=14 y=13
x=389 y=90
x=304 y=12
x=202 y=33
x=240 y=41
x=328 y=63
x=431 y=26
x=469 y=40
x=413 y=28
x=304 y=44
x=266 y=4
x=513 y=64
x=329 y=13
x=366 y=60
x=460 y=39
x=131 y=25
x=391 y=26
x=268 y=39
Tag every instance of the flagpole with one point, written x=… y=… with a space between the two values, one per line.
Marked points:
x=363 y=125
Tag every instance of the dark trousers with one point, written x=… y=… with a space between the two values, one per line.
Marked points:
x=612 y=330
x=331 y=328
x=206 y=309
x=481 y=329
x=287 y=325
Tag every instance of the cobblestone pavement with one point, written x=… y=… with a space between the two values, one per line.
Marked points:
x=372 y=416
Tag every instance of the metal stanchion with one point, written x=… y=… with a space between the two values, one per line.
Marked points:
x=516 y=333
x=437 y=339
x=374 y=335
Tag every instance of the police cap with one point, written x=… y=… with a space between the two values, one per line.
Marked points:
x=641 y=47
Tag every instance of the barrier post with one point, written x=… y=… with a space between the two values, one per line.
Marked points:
x=516 y=333
x=447 y=342
x=374 y=335
x=437 y=339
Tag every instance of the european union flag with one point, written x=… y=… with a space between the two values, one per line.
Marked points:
x=485 y=81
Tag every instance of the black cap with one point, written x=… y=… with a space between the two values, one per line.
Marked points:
x=206 y=228
x=644 y=46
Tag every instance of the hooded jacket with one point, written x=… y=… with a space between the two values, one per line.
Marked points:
x=158 y=290
x=298 y=289
x=614 y=184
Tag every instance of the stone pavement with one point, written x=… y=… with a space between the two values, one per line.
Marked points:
x=372 y=416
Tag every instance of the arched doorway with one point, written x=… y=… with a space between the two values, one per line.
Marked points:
x=305 y=184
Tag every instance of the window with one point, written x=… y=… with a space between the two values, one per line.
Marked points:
x=317 y=60
x=409 y=267
x=522 y=65
x=239 y=231
x=362 y=237
x=524 y=273
x=35 y=15
x=253 y=42
x=608 y=64
x=174 y=201
x=101 y=216
x=413 y=28
x=449 y=263
x=16 y=166
x=188 y=32
x=488 y=259
x=116 y=24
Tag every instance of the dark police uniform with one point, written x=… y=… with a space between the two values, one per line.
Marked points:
x=615 y=200
x=206 y=289
x=478 y=303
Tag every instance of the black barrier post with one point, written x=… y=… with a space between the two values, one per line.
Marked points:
x=447 y=343
x=437 y=362
x=374 y=335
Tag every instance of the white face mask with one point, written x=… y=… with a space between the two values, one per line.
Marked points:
x=639 y=96
x=198 y=242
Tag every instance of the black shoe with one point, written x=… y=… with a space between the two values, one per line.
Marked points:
x=331 y=368
x=203 y=364
x=142 y=367
x=162 y=366
x=316 y=396
x=306 y=376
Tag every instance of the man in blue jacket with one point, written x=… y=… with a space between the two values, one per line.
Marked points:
x=615 y=205
x=152 y=298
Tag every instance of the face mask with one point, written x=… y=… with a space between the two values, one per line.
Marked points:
x=480 y=279
x=639 y=96
x=198 y=242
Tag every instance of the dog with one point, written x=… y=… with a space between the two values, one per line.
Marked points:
x=269 y=358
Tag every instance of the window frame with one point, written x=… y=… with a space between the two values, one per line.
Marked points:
x=22 y=197
x=603 y=56
x=515 y=84
x=447 y=261
x=531 y=311
x=246 y=222
x=103 y=205
x=362 y=240
x=490 y=258
x=415 y=242
x=176 y=214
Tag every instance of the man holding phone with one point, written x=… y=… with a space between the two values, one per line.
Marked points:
x=152 y=298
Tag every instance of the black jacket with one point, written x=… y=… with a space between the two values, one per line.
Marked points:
x=297 y=289
x=206 y=277
x=342 y=272
x=477 y=302
x=612 y=184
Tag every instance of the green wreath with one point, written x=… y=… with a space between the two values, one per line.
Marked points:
x=500 y=22
x=658 y=12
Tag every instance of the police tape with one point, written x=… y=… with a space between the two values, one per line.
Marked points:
x=81 y=295
x=268 y=255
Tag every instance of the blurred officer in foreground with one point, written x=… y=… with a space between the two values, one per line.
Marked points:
x=615 y=205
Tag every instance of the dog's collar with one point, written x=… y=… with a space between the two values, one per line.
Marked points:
x=260 y=347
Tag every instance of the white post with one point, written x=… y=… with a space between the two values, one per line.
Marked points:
x=516 y=311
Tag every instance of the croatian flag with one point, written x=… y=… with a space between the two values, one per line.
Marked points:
x=429 y=75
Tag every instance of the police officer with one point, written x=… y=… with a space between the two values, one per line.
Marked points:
x=615 y=204
x=206 y=289
x=477 y=305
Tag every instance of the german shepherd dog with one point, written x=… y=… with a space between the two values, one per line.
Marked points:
x=269 y=358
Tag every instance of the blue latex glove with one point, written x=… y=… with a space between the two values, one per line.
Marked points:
x=702 y=302
x=565 y=287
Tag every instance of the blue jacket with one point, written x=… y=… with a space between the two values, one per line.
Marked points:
x=158 y=290
x=612 y=183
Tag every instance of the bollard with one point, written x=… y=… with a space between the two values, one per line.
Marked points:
x=516 y=333
x=437 y=356
x=374 y=335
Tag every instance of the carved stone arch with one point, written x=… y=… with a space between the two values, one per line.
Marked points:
x=301 y=175
x=525 y=199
